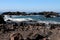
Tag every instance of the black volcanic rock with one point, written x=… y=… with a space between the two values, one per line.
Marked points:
x=46 y=14
x=14 y=13
x=1 y=19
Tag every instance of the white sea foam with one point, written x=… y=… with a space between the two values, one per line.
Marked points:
x=47 y=22
x=21 y=19
x=16 y=19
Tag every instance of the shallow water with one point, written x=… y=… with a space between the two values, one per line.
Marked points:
x=39 y=18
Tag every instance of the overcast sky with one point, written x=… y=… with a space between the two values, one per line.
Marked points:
x=30 y=5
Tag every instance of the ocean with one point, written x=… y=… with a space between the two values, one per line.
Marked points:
x=39 y=18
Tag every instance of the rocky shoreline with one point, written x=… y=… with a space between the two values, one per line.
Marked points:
x=28 y=31
x=11 y=31
x=46 y=14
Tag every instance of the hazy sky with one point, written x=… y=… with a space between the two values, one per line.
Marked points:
x=30 y=5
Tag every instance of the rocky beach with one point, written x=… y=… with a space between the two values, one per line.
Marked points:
x=25 y=31
x=12 y=28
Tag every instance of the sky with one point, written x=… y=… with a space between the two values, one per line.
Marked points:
x=30 y=5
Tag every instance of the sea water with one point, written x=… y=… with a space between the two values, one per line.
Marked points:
x=39 y=18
